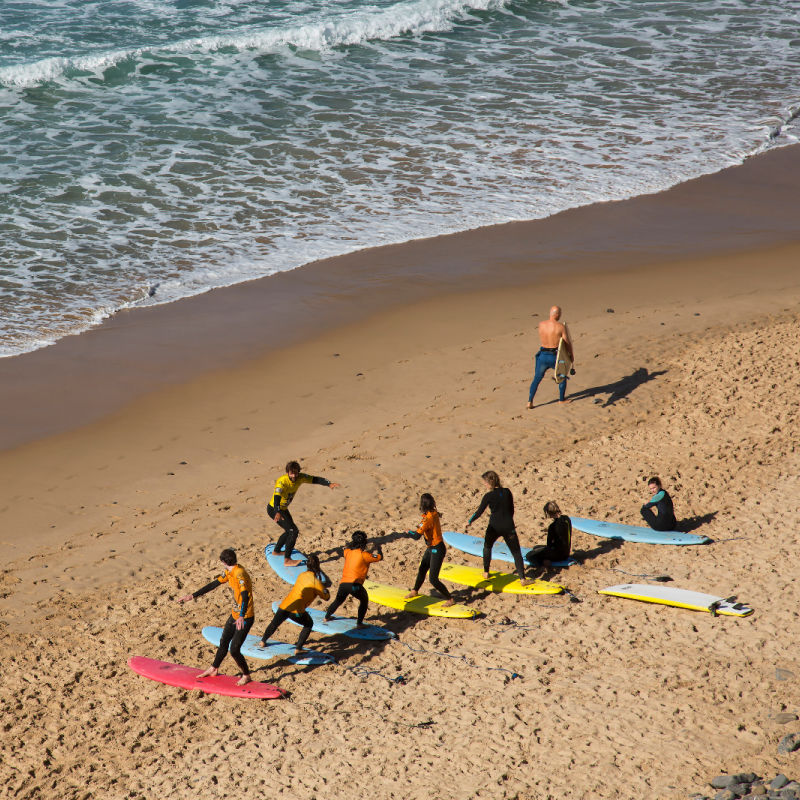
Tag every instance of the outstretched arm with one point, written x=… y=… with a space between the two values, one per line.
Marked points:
x=207 y=588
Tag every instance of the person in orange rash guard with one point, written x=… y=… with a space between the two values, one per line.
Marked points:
x=241 y=619
x=357 y=559
x=431 y=529
x=310 y=585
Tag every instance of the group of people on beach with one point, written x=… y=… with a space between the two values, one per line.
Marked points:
x=312 y=582
x=358 y=555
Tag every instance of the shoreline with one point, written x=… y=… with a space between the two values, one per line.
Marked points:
x=83 y=378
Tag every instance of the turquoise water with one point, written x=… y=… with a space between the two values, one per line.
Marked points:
x=153 y=150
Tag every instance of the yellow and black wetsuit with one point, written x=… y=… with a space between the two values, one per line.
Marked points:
x=282 y=496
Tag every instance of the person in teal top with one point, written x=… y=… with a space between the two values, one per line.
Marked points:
x=663 y=518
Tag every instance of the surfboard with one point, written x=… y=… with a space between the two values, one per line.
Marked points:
x=186 y=678
x=288 y=574
x=473 y=545
x=563 y=363
x=274 y=649
x=681 y=598
x=344 y=626
x=496 y=582
x=635 y=533
x=393 y=597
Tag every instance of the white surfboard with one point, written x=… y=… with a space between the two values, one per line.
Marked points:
x=680 y=598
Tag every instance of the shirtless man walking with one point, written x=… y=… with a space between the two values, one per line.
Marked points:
x=551 y=331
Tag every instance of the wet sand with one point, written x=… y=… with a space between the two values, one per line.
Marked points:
x=684 y=309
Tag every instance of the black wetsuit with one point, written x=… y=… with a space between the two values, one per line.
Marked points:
x=665 y=519
x=559 y=542
x=281 y=615
x=430 y=565
x=500 y=502
x=346 y=590
x=231 y=637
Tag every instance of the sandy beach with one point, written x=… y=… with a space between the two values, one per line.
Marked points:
x=139 y=450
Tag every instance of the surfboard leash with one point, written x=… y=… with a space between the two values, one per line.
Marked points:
x=463 y=659
x=659 y=578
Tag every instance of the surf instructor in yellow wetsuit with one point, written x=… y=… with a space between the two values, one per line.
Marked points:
x=278 y=508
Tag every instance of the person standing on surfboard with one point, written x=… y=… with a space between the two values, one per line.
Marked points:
x=278 y=508
x=357 y=558
x=310 y=585
x=551 y=332
x=664 y=520
x=431 y=529
x=500 y=502
x=559 y=538
x=241 y=619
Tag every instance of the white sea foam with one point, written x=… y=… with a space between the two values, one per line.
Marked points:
x=337 y=30
x=301 y=131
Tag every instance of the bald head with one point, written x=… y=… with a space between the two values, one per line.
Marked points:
x=555 y=312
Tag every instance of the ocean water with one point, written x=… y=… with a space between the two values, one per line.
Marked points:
x=153 y=149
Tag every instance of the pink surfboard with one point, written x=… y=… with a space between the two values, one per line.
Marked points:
x=186 y=678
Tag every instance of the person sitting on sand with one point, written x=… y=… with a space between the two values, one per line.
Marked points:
x=241 y=619
x=500 y=502
x=285 y=489
x=431 y=529
x=309 y=585
x=559 y=538
x=551 y=332
x=664 y=519
x=357 y=558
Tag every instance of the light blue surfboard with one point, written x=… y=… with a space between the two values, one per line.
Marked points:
x=288 y=574
x=342 y=626
x=635 y=533
x=274 y=649
x=473 y=545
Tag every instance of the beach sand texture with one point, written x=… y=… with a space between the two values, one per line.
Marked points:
x=694 y=377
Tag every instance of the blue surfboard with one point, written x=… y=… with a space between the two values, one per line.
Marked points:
x=288 y=574
x=274 y=649
x=635 y=533
x=342 y=626
x=473 y=545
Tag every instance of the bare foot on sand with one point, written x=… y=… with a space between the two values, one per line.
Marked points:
x=244 y=680
x=530 y=405
x=564 y=402
x=211 y=672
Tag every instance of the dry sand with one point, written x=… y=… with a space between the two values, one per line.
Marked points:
x=694 y=377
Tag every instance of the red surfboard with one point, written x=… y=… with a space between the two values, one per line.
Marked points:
x=186 y=678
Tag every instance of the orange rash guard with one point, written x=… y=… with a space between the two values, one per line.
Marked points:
x=356 y=565
x=306 y=589
x=431 y=528
x=237 y=578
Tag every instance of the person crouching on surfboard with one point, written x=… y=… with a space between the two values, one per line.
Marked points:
x=559 y=538
x=664 y=520
x=241 y=619
x=285 y=489
x=431 y=529
x=310 y=585
x=357 y=558
x=500 y=502
x=551 y=332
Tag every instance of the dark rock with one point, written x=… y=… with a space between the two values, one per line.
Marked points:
x=783 y=717
x=724 y=781
x=740 y=789
x=778 y=782
x=789 y=743
x=725 y=794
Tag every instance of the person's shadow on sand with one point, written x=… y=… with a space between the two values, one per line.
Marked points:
x=621 y=388
x=581 y=556
x=697 y=521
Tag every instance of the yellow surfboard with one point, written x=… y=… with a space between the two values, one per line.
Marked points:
x=497 y=582
x=680 y=598
x=393 y=597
